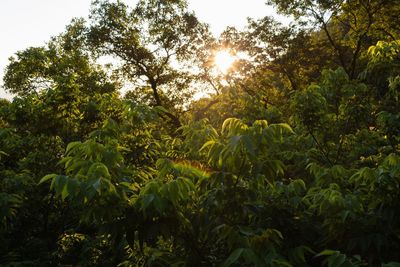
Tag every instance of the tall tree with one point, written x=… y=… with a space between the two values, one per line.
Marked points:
x=151 y=40
x=350 y=27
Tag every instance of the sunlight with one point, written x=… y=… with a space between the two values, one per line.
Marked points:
x=224 y=61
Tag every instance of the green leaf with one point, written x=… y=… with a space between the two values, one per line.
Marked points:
x=207 y=144
x=71 y=146
x=160 y=109
x=327 y=252
x=173 y=191
x=59 y=183
x=250 y=256
x=249 y=145
x=336 y=260
x=72 y=186
x=97 y=170
x=233 y=126
x=286 y=127
x=299 y=185
x=146 y=200
x=233 y=257
x=97 y=185
x=47 y=177
x=298 y=254
x=64 y=193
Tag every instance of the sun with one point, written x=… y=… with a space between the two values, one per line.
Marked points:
x=224 y=60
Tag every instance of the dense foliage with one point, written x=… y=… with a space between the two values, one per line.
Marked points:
x=292 y=160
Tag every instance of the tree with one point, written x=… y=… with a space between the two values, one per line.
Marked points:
x=150 y=40
x=234 y=185
x=61 y=96
x=350 y=27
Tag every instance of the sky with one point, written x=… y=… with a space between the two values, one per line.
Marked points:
x=26 y=23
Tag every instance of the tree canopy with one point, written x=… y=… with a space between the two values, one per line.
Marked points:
x=289 y=157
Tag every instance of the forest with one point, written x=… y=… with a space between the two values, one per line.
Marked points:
x=126 y=144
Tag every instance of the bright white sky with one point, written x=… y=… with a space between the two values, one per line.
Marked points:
x=25 y=23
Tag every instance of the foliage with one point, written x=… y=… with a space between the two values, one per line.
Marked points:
x=294 y=161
